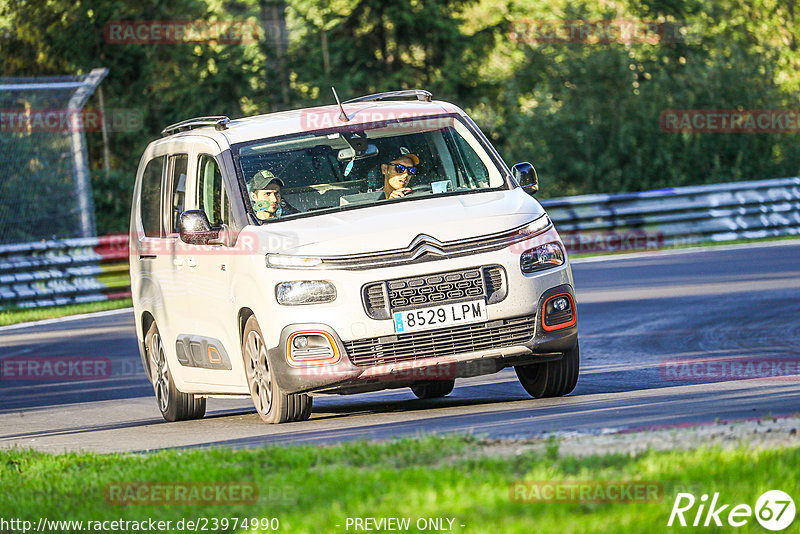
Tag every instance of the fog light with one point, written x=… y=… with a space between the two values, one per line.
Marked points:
x=300 y=342
x=309 y=348
x=558 y=311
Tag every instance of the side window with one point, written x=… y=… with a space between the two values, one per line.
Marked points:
x=211 y=195
x=150 y=201
x=177 y=180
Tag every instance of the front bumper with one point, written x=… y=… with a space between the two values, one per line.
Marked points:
x=391 y=361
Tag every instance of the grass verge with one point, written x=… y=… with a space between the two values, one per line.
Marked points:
x=20 y=315
x=317 y=488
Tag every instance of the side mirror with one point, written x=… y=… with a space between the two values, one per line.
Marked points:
x=195 y=228
x=526 y=175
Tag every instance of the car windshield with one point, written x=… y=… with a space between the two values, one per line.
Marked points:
x=365 y=165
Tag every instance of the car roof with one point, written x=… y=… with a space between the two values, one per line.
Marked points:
x=316 y=118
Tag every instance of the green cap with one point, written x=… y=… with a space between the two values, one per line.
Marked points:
x=262 y=179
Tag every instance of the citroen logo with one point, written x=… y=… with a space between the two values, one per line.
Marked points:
x=425 y=244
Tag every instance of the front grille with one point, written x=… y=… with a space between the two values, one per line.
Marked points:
x=435 y=289
x=380 y=298
x=442 y=342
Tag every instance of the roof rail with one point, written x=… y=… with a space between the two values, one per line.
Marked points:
x=219 y=122
x=419 y=94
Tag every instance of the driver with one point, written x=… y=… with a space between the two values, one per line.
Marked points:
x=397 y=174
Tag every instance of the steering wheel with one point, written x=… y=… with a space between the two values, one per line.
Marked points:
x=418 y=190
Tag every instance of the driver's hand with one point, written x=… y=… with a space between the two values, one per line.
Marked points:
x=400 y=193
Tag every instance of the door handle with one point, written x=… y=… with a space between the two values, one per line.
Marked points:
x=191 y=262
x=177 y=262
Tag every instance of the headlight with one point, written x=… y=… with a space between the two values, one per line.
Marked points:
x=541 y=258
x=283 y=261
x=535 y=227
x=305 y=292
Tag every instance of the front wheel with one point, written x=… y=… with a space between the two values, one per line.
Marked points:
x=174 y=405
x=272 y=404
x=551 y=379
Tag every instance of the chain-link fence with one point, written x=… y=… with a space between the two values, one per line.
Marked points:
x=45 y=186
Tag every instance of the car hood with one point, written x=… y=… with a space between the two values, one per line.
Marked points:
x=395 y=225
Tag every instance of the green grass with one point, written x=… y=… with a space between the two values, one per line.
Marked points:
x=314 y=488
x=14 y=316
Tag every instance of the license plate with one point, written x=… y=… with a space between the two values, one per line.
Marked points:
x=473 y=311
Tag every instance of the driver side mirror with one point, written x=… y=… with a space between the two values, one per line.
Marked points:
x=195 y=229
x=526 y=176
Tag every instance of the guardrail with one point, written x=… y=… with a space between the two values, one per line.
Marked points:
x=93 y=269
x=678 y=216
x=67 y=271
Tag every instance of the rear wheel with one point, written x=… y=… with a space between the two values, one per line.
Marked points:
x=551 y=379
x=433 y=389
x=272 y=404
x=174 y=405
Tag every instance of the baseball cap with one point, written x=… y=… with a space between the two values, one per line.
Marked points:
x=262 y=179
x=406 y=153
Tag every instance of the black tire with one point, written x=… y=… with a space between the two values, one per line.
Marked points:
x=433 y=389
x=174 y=405
x=551 y=379
x=272 y=404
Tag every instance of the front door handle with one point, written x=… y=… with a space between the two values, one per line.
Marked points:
x=191 y=262
x=177 y=262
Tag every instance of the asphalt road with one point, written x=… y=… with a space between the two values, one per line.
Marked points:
x=733 y=313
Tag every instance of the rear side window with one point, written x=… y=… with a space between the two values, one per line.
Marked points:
x=150 y=201
x=211 y=192
x=177 y=180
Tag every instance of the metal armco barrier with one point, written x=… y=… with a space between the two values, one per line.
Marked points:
x=68 y=271
x=91 y=269
x=685 y=215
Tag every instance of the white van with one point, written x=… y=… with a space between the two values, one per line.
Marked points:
x=379 y=243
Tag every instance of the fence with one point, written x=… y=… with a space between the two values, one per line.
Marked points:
x=92 y=269
x=45 y=186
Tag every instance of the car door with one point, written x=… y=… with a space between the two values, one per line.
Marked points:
x=215 y=339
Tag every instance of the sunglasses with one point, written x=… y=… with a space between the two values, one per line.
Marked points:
x=402 y=168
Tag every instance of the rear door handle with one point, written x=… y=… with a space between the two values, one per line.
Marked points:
x=177 y=262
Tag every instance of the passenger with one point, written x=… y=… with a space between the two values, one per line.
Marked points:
x=265 y=194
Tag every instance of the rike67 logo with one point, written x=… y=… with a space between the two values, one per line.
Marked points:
x=774 y=510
